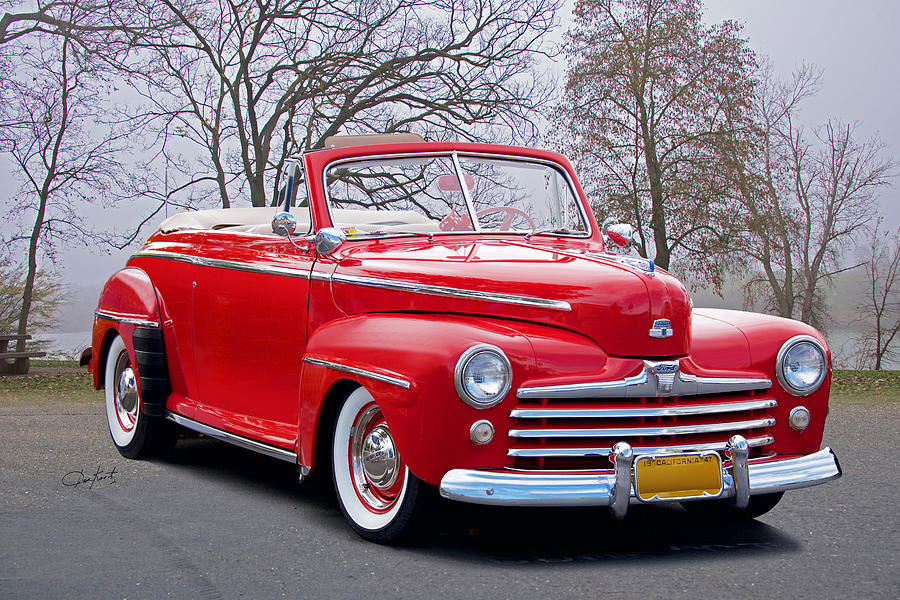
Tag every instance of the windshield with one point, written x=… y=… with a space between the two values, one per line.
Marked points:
x=424 y=195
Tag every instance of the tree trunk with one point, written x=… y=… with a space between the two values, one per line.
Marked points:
x=654 y=174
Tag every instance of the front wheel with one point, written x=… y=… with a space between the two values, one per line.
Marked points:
x=134 y=433
x=378 y=495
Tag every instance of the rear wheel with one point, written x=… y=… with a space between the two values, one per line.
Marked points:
x=378 y=495
x=133 y=432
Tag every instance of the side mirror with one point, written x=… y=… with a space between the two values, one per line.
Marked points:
x=327 y=240
x=284 y=223
x=619 y=237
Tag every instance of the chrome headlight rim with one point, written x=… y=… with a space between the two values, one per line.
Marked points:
x=459 y=370
x=779 y=365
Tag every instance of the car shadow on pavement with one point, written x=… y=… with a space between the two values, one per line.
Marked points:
x=505 y=535
x=576 y=535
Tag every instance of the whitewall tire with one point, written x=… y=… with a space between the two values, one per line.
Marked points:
x=376 y=491
x=133 y=433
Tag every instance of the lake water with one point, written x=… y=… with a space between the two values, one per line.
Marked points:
x=65 y=344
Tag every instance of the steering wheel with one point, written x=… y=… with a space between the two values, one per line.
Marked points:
x=511 y=213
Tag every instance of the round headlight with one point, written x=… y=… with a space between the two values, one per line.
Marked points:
x=483 y=376
x=801 y=365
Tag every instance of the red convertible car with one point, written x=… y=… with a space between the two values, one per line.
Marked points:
x=421 y=316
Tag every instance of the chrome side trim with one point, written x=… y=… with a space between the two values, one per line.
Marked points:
x=176 y=256
x=641 y=431
x=219 y=263
x=231 y=438
x=434 y=290
x=624 y=413
x=604 y=450
x=234 y=265
x=124 y=319
x=647 y=384
x=361 y=372
x=539 y=488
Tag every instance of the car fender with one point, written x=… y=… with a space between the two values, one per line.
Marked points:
x=406 y=361
x=129 y=306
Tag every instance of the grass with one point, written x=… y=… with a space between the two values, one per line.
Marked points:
x=844 y=384
x=71 y=385
x=53 y=363
x=865 y=384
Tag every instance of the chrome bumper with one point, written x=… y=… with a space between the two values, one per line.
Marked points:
x=535 y=488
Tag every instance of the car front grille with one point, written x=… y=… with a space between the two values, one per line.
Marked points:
x=578 y=433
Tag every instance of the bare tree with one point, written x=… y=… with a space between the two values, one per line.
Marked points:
x=644 y=117
x=63 y=157
x=804 y=199
x=880 y=312
x=253 y=82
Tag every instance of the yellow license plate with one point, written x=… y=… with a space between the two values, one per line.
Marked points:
x=678 y=476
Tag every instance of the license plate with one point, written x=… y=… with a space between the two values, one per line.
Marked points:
x=678 y=476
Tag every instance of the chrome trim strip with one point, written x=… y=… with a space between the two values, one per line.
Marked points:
x=435 y=290
x=219 y=263
x=361 y=372
x=319 y=276
x=252 y=268
x=646 y=384
x=176 y=256
x=646 y=411
x=123 y=319
x=538 y=488
x=231 y=438
x=641 y=431
x=604 y=451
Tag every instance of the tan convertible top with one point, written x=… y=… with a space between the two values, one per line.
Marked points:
x=259 y=219
x=343 y=141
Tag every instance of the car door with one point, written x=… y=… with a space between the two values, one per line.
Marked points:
x=250 y=317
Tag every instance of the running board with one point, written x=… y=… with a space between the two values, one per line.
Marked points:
x=237 y=440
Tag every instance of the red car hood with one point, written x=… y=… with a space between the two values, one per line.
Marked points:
x=569 y=287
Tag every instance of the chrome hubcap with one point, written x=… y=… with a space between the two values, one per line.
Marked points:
x=126 y=392
x=379 y=457
x=376 y=467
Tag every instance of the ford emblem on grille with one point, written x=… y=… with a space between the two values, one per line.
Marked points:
x=665 y=372
x=662 y=328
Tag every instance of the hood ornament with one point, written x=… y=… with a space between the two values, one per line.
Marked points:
x=662 y=328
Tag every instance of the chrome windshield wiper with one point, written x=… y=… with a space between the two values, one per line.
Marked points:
x=428 y=234
x=556 y=230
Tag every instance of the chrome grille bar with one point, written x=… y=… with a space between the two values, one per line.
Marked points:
x=644 y=411
x=646 y=384
x=624 y=432
x=604 y=451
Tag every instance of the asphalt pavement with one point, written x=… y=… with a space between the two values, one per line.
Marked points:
x=213 y=521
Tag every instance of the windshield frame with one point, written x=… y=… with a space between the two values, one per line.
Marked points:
x=453 y=156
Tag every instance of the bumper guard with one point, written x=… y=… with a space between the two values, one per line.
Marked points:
x=535 y=488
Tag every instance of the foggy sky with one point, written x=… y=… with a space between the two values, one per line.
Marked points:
x=856 y=44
